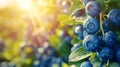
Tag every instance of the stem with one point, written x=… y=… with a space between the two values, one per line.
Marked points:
x=107 y=64
x=104 y=17
x=93 y=54
x=101 y=24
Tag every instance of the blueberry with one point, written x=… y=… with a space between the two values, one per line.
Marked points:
x=59 y=61
x=38 y=56
x=106 y=25
x=36 y=63
x=85 y=34
x=80 y=35
x=109 y=38
x=86 y=64
x=101 y=41
x=116 y=47
x=75 y=47
x=114 y=16
x=45 y=60
x=4 y=64
x=43 y=64
x=93 y=8
x=91 y=25
x=105 y=54
x=117 y=52
x=56 y=61
x=78 y=30
x=63 y=34
x=118 y=55
x=79 y=13
x=67 y=40
x=11 y=64
x=86 y=1
x=91 y=43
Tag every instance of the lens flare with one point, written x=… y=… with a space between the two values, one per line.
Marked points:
x=4 y=3
x=24 y=4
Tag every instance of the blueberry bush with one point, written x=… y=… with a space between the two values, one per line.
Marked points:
x=94 y=28
x=59 y=33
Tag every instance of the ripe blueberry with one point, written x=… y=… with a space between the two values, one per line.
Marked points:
x=114 y=16
x=36 y=63
x=68 y=39
x=93 y=8
x=12 y=64
x=80 y=35
x=116 y=47
x=117 y=52
x=118 y=55
x=105 y=54
x=86 y=1
x=86 y=64
x=91 y=25
x=91 y=43
x=109 y=38
x=78 y=30
x=107 y=25
x=79 y=13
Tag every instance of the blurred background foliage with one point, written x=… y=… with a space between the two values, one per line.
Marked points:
x=26 y=26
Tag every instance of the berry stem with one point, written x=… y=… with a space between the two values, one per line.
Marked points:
x=93 y=54
x=101 y=24
x=107 y=64
x=104 y=15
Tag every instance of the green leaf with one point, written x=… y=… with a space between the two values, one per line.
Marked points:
x=76 y=64
x=3 y=58
x=92 y=56
x=75 y=1
x=77 y=4
x=111 y=1
x=114 y=64
x=102 y=4
x=108 y=63
x=118 y=33
x=59 y=44
x=62 y=17
x=112 y=4
x=96 y=62
x=118 y=4
x=79 y=54
x=76 y=41
x=66 y=20
x=54 y=40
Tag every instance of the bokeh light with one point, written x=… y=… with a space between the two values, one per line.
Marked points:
x=25 y=29
x=24 y=4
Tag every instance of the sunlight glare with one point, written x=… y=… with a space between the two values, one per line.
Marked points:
x=24 y=4
x=4 y=3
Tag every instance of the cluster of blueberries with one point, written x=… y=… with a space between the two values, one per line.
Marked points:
x=101 y=39
x=43 y=56
x=46 y=57
x=7 y=64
